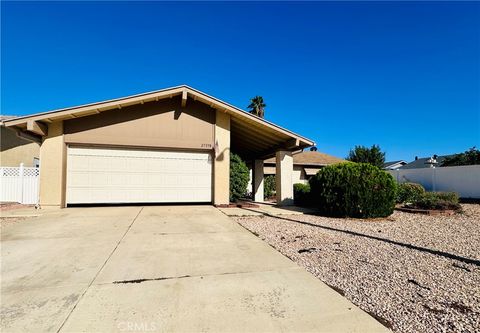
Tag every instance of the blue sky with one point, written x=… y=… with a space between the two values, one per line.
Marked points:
x=403 y=75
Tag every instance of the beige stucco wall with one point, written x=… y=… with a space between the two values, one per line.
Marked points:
x=284 y=178
x=15 y=150
x=53 y=167
x=162 y=124
x=221 y=169
x=208 y=128
x=298 y=174
x=258 y=181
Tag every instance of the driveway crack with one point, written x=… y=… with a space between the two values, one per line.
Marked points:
x=201 y=276
x=101 y=268
x=152 y=279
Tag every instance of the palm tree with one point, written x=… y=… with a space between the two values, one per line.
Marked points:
x=257 y=106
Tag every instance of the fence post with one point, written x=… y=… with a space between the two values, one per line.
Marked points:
x=21 y=171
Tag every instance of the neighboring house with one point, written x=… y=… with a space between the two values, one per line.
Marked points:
x=305 y=165
x=14 y=149
x=170 y=145
x=394 y=165
x=424 y=162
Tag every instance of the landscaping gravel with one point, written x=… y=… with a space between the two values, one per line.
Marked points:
x=414 y=273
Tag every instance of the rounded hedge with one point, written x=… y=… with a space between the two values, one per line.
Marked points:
x=354 y=190
x=239 y=177
x=409 y=192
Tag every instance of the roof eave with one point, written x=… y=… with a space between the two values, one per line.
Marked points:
x=118 y=103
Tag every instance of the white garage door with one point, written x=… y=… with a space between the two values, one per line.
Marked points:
x=111 y=175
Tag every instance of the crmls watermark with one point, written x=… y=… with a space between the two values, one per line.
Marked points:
x=133 y=326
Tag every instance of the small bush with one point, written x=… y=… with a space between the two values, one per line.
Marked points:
x=438 y=200
x=239 y=177
x=409 y=192
x=269 y=186
x=353 y=189
x=301 y=194
x=451 y=197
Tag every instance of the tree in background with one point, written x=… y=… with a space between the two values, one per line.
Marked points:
x=372 y=155
x=257 y=106
x=470 y=157
x=239 y=177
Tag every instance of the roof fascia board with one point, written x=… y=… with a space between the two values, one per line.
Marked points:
x=98 y=106
x=155 y=95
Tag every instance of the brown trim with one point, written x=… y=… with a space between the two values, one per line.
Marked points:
x=157 y=148
x=186 y=146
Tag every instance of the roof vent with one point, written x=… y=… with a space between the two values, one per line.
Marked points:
x=432 y=161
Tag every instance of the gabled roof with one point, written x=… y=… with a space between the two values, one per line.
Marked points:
x=186 y=92
x=312 y=158
x=421 y=162
x=387 y=165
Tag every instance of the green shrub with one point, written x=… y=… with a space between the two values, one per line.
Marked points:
x=409 y=192
x=239 y=177
x=269 y=186
x=353 y=189
x=438 y=200
x=451 y=197
x=301 y=194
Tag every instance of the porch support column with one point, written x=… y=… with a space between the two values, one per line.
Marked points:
x=53 y=159
x=283 y=177
x=221 y=164
x=258 y=180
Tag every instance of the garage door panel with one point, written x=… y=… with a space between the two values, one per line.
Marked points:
x=136 y=164
x=80 y=163
x=154 y=163
x=112 y=175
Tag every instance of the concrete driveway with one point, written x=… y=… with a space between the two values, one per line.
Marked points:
x=158 y=269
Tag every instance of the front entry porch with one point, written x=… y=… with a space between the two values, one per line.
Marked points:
x=255 y=144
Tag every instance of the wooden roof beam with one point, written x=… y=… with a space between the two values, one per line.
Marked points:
x=292 y=144
x=184 y=98
x=37 y=128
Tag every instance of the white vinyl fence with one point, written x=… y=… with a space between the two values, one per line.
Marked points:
x=19 y=184
x=465 y=180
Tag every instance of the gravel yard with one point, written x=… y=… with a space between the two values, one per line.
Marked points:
x=415 y=273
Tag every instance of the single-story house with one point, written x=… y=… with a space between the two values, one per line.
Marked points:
x=165 y=146
x=394 y=165
x=425 y=162
x=305 y=165
x=16 y=149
